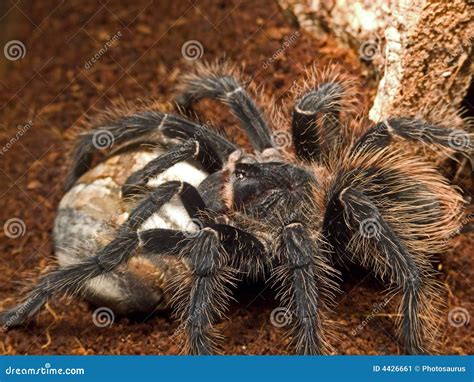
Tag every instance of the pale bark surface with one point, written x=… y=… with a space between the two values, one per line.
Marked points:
x=422 y=50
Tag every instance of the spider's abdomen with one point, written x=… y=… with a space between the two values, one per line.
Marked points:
x=88 y=216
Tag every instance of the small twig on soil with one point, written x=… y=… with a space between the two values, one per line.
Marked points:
x=448 y=288
x=48 y=337
x=52 y=312
x=391 y=315
x=81 y=347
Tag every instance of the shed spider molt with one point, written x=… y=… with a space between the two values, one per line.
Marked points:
x=194 y=214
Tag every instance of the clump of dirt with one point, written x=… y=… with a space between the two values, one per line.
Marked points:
x=80 y=56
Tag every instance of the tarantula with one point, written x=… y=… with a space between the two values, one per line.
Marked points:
x=345 y=193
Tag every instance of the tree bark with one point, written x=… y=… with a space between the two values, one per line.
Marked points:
x=421 y=50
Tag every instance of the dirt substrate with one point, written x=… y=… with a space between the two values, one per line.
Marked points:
x=52 y=87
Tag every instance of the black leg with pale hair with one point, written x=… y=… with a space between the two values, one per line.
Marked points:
x=136 y=183
x=316 y=124
x=150 y=127
x=226 y=89
x=415 y=130
x=71 y=280
x=201 y=296
x=395 y=262
x=298 y=278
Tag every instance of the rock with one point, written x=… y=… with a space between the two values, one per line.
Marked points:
x=422 y=50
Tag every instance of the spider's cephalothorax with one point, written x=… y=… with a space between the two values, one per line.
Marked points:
x=195 y=214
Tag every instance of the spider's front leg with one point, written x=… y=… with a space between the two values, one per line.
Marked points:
x=322 y=103
x=392 y=259
x=201 y=295
x=137 y=182
x=71 y=280
x=303 y=278
x=278 y=195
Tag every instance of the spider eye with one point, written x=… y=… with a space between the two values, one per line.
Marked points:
x=245 y=171
x=240 y=173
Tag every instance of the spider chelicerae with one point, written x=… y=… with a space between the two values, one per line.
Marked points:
x=345 y=192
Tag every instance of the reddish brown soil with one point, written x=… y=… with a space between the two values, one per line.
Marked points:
x=51 y=87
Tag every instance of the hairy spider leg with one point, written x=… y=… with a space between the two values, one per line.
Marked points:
x=301 y=274
x=415 y=130
x=136 y=183
x=202 y=297
x=71 y=280
x=227 y=89
x=200 y=302
x=402 y=270
x=149 y=127
x=322 y=105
